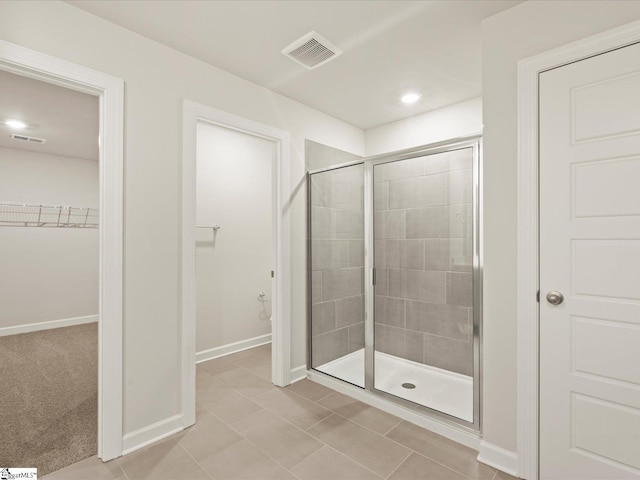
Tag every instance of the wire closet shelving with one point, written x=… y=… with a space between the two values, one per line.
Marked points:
x=51 y=216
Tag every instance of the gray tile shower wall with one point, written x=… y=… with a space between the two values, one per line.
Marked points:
x=423 y=256
x=337 y=258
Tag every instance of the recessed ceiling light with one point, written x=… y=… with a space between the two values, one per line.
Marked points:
x=410 y=98
x=17 y=124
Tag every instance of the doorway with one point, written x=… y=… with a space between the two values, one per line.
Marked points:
x=578 y=248
x=235 y=254
x=109 y=91
x=49 y=288
x=275 y=304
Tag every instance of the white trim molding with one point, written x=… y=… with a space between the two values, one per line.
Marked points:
x=229 y=348
x=152 y=433
x=529 y=70
x=193 y=113
x=35 y=327
x=110 y=91
x=298 y=373
x=499 y=458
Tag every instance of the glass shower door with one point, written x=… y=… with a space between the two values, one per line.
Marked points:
x=336 y=267
x=423 y=227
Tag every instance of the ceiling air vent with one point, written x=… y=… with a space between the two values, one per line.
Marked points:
x=24 y=138
x=312 y=50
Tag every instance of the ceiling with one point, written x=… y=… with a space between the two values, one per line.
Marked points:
x=390 y=47
x=67 y=119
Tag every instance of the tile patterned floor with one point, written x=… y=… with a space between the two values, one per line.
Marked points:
x=249 y=429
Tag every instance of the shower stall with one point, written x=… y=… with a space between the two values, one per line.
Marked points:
x=395 y=277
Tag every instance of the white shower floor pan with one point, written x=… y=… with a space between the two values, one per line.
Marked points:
x=447 y=392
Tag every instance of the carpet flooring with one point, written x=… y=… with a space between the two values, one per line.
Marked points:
x=49 y=397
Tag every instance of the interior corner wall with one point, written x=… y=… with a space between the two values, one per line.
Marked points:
x=457 y=120
x=48 y=274
x=528 y=29
x=157 y=80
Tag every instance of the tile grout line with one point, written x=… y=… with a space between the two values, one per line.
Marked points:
x=333 y=412
x=411 y=452
x=374 y=432
x=405 y=446
x=120 y=466
x=318 y=422
x=193 y=458
x=274 y=413
x=370 y=431
x=394 y=426
x=446 y=466
x=260 y=449
x=356 y=462
x=327 y=395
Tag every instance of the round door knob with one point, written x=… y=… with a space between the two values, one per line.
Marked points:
x=555 y=298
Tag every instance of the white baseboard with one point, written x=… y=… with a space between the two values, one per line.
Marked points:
x=298 y=373
x=230 y=348
x=152 y=433
x=34 y=327
x=497 y=457
x=464 y=437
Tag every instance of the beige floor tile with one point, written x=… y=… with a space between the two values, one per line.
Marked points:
x=216 y=366
x=251 y=361
x=455 y=456
x=229 y=405
x=503 y=476
x=165 y=460
x=291 y=407
x=310 y=390
x=92 y=468
x=327 y=463
x=204 y=380
x=263 y=370
x=246 y=428
x=262 y=350
x=283 y=442
x=207 y=437
x=200 y=410
x=245 y=382
x=365 y=447
x=417 y=467
x=244 y=461
x=361 y=413
x=214 y=393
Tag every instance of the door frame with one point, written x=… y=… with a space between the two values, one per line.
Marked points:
x=528 y=341
x=193 y=113
x=110 y=91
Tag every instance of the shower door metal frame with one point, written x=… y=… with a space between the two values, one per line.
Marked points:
x=475 y=143
x=309 y=269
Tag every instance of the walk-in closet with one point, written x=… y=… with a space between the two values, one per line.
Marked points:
x=49 y=264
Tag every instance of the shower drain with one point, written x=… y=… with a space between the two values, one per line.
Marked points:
x=408 y=385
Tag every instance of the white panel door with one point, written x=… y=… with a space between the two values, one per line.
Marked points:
x=590 y=253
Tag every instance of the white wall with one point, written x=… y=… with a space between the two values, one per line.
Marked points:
x=464 y=118
x=47 y=273
x=157 y=80
x=234 y=190
x=525 y=30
